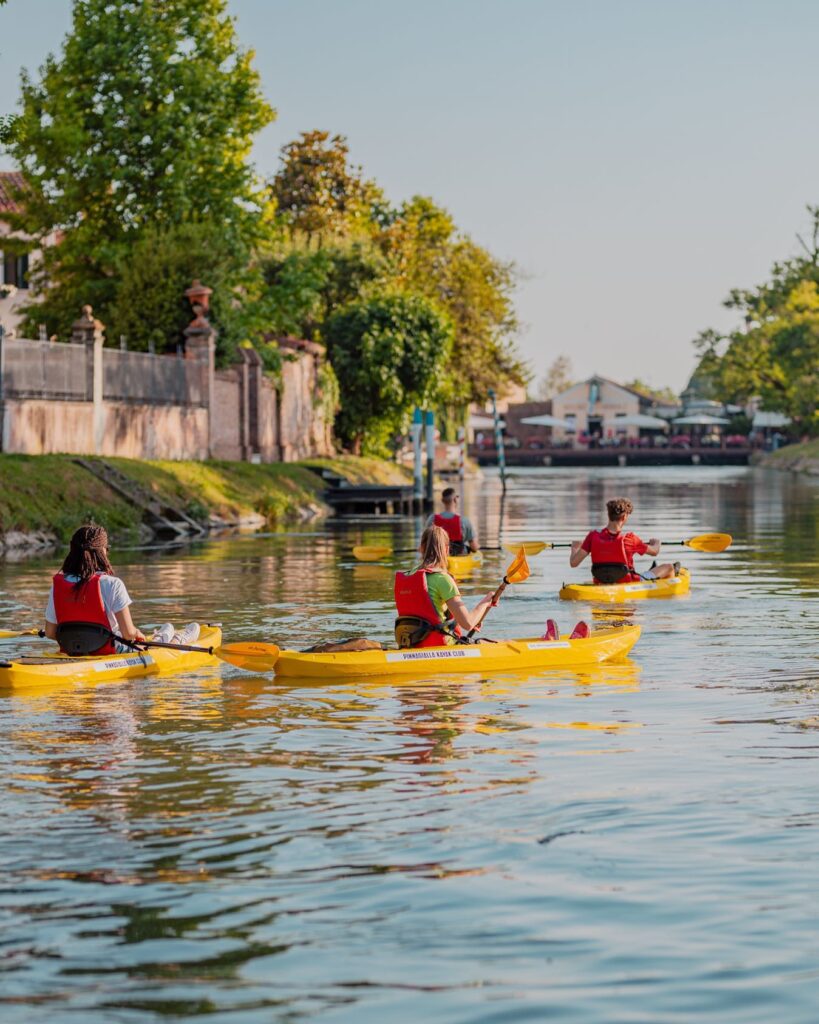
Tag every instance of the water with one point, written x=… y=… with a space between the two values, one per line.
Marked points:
x=632 y=843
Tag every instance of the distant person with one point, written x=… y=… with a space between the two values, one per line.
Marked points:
x=87 y=591
x=459 y=529
x=429 y=605
x=612 y=550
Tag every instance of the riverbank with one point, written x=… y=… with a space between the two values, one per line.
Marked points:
x=44 y=497
x=797 y=458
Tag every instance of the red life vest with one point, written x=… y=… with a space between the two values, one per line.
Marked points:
x=453 y=529
x=82 y=605
x=609 y=550
x=412 y=598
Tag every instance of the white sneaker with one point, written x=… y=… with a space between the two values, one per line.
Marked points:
x=164 y=634
x=188 y=635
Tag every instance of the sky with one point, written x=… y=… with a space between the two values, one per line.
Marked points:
x=636 y=159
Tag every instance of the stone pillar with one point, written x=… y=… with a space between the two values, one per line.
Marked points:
x=200 y=345
x=253 y=361
x=91 y=332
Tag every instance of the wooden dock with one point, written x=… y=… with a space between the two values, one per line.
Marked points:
x=347 y=499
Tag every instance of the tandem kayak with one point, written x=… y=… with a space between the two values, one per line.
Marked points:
x=619 y=592
x=60 y=668
x=462 y=565
x=532 y=653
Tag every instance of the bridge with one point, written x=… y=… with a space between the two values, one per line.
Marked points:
x=615 y=456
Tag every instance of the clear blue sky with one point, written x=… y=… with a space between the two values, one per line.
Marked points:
x=635 y=158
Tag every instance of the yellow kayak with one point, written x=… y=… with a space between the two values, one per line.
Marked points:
x=619 y=592
x=462 y=565
x=483 y=658
x=60 y=668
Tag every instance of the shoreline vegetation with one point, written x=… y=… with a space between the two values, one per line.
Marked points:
x=45 y=497
x=796 y=458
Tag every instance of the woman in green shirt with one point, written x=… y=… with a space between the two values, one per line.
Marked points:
x=430 y=595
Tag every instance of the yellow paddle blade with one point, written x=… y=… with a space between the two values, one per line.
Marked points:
x=371 y=553
x=251 y=656
x=710 y=542
x=9 y=634
x=518 y=571
x=533 y=547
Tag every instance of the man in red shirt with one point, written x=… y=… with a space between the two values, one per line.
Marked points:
x=612 y=550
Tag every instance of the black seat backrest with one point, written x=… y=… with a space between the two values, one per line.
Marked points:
x=77 y=638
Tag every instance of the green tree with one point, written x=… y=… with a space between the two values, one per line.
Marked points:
x=318 y=191
x=775 y=356
x=431 y=258
x=386 y=352
x=304 y=286
x=150 y=305
x=146 y=118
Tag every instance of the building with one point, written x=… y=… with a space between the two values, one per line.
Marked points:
x=15 y=267
x=594 y=406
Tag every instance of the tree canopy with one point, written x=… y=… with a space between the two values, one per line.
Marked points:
x=774 y=356
x=146 y=118
x=385 y=352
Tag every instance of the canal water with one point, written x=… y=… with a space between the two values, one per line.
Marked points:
x=631 y=843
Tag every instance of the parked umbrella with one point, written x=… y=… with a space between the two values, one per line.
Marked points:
x=637 y=420
x=547 y=421
x=701 y=421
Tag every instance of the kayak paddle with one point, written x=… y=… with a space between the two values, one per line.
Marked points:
x=517 y=572
x=250 y=655
x=375 y=552
x=702 y=542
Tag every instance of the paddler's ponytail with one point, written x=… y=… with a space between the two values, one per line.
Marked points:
x=88 y=554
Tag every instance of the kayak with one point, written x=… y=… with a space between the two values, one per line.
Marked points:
x=461 y=565
x=60 y=668
x=618 y=592
x=532 y=653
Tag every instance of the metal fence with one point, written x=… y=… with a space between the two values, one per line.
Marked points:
x=44 y=369
x=154 y=380
x=64 y=372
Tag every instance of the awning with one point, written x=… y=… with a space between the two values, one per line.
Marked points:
x=548 y=421
x=701 y=421
x=770 y=419
x=638 y=419
x=478 y=422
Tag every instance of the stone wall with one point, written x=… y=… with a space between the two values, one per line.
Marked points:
x=181 y=409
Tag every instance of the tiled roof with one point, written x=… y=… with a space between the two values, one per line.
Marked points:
x=10 y=182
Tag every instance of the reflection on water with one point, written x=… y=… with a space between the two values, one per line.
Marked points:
x=633 y=841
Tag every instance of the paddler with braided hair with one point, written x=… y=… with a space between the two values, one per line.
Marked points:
x=427 y=599
x=612 y=550
x=86 y=590
x=459 y=529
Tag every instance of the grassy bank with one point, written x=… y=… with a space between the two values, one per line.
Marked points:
x=801 y=458
x=50 y=494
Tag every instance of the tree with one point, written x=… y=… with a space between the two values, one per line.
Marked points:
x=146 y=118
x=385 y=352
x=558 y=378
x=665 y=394
x=318 y=191
x=304 y=286
x=431 y=258
x=150 y=305
x=775 y=355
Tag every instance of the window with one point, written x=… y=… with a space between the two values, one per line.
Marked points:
x=15 y=269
